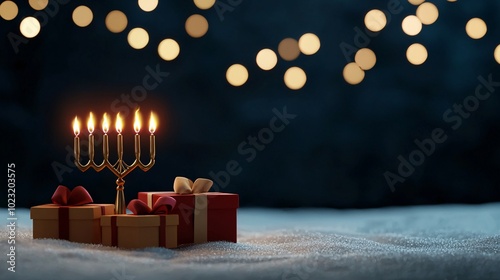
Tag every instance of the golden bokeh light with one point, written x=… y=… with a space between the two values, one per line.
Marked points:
x=365 y=58
x=295 y=78
x=266 y=59
x=428 y=13
x=416 y=2
x=196 y=26
x=82 y=16
x=204 y=4
x=375 y=20
x=411 y=25
x=138 y=38
x=452 y=0
x=29 y=27
x=309 y=44
x=8 y=10
x=116 y=21
x=147 y=5
x=497 y=54
x=353 y=74
x=38 y=4
x=416 y=54
x=476 y=28
x=237 y=75
x=288 y=49
x=168 y=49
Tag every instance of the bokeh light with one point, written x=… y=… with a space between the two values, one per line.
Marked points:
x=38 y=4
x=82 y=16
x=196 y=26
x=375 y=20
x=365 y=58
x=476 y=28
x=266 y=59
x=416 y=54
x=116 y=21
x=353 y=74
x=309 y=44
x=29 y=27
x=138 y=38
x=8 y=10
x=147 y=5
x=428 y=13
x=237 y=75
x=204 y=4
x=411 y=25
x=497 y=54
x=295 y=78
x=288 y=49
x=168 y=49
x=416 y=2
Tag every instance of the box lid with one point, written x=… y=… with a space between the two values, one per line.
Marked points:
x=139 y=220
x=89 y=211
x=216 y=200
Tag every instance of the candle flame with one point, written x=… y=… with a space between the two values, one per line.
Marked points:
x=105 y=123
x=152 y=123
x=137 y=122
x=119 y=123
x=90 y=123
x=76 y=127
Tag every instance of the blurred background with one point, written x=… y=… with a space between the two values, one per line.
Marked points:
x=344 y=139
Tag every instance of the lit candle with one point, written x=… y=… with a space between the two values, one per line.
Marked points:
x=90 y=127
x=119 y=127
x=105 y=129
x=76 y=147
x=137 y=128
x=152 y=129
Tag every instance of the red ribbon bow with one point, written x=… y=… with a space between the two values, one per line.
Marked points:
x=162 y=206
x=76 y=197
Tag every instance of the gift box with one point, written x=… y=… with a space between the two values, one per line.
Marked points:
x=73 y=223
x=203 y=217
x=139 y=231
x=147 y=227
x=72 y=216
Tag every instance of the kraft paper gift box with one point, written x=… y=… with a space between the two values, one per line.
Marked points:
x=203 y=216
x=70 y=217
x=139 y=231
x=143 y=229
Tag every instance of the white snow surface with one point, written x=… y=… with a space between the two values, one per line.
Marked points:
x=451 y=242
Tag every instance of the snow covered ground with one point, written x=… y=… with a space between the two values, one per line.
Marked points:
x=450 y=242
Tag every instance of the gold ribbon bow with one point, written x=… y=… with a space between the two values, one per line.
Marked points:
x=183 y=185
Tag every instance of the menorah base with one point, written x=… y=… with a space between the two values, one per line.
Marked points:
x=120 y=207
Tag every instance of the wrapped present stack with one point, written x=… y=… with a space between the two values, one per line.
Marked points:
x=188 y=215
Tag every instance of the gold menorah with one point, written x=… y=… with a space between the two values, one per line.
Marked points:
x=119 y=168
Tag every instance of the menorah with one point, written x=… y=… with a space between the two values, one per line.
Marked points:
x=119 y=168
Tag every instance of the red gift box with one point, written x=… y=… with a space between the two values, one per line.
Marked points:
x=203 y=217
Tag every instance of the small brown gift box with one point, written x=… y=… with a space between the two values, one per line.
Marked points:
x=140 y=231
x=73 y=223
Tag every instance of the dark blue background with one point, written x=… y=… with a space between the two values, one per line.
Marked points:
x=334 y=153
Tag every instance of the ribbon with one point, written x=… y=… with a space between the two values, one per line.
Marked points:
x=183 y=185
x=162 y=206
x=64 y=197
